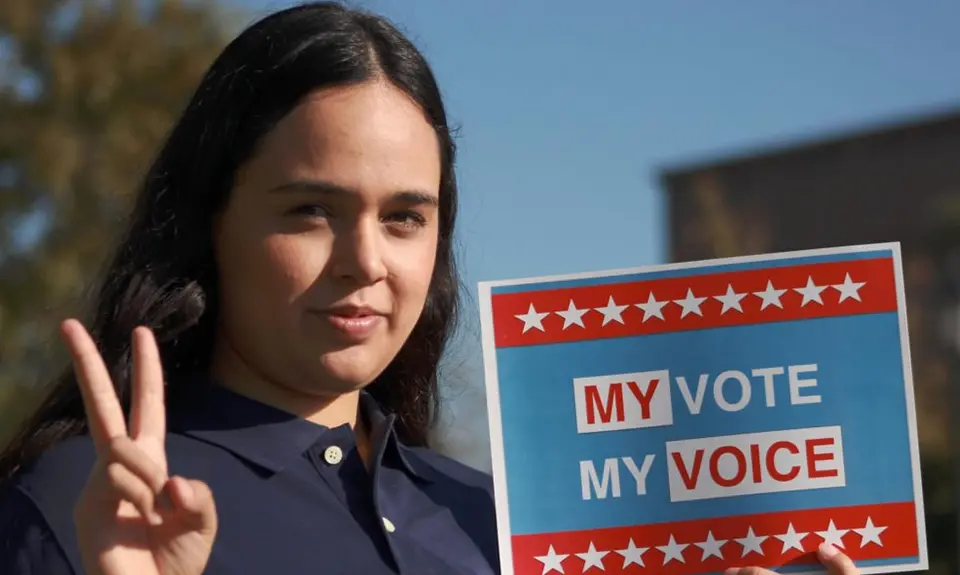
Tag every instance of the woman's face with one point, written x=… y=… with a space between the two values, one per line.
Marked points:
x=327 y=245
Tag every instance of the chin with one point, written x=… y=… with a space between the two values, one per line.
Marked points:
x=349 y=369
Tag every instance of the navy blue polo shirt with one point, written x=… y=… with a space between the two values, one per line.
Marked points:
x=292 y=497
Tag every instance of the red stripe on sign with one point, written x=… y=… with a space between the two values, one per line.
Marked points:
x=883 y=531
x=695 y=302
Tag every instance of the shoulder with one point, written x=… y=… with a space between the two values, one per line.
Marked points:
x=54 y=481
x=450 y=469
x=45 y=492
x=52 y=485
x=36 y=511
x=27 y=544
x=56 y=478
x=453 y=468
x=466 y=492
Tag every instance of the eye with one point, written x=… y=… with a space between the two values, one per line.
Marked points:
x=408 y=220
x=311 y=211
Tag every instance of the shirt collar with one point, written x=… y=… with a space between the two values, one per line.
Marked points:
x=384 y=435
x=272 y=438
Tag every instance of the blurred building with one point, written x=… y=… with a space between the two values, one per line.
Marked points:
x=894 y=183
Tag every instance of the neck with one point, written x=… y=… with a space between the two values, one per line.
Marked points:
x=330 y=410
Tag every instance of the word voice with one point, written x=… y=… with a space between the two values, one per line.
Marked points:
x=752 y=463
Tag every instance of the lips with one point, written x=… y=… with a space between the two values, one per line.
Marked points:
x=354 y=323
x=352 y=311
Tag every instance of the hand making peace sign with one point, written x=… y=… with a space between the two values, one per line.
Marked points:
x=131 y=516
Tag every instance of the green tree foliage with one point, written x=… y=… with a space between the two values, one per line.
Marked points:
x=88 y=89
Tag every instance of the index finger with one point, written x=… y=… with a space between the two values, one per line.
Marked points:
x=149 y=417
x=104 y=414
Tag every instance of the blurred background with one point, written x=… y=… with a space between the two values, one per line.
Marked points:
x=609 y=135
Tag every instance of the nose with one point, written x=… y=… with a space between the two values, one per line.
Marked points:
x=358 y=254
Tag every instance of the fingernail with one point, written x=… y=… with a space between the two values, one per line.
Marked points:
x=732 y=571
x=828 y=551
x=185 y=490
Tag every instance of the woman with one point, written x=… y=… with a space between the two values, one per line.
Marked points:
x=261 y=377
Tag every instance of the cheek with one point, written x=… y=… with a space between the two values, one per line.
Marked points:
x=413 y=271
x=264 y=275
x=291 y=265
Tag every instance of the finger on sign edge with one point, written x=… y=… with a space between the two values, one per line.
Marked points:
x=100 y=402
x=122 y=484
x=836 y=562
x=748 y=571
x=148 y=414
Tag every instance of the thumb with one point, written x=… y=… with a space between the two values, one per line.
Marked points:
x=194 y=500
x=836 y=562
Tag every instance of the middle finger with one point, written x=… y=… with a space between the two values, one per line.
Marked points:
x=148 y=415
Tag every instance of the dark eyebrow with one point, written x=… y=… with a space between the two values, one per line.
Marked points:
x=412 y=197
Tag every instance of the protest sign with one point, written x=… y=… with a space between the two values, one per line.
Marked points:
x=686 y=418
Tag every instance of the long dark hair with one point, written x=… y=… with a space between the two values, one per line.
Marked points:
x=163 y=273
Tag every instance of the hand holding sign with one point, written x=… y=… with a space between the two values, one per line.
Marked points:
x=837 y=563
x=131 y=516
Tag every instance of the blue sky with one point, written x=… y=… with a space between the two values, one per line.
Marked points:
x=567 y=111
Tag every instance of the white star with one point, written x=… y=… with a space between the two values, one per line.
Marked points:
x=532 y=319
x=592 y=558
x=869 y=533
x=632 y=554
x=673 y=551
x=791 y=539
x=752 y=543
x=810 y=292
x=770 y=296
x=833 y=535
x=849 y=289
x=711 y=547
x=690 y=304
x=612 y=312
x=730 y=300
x=552 y=561
x=572 y=315
x=652 y=308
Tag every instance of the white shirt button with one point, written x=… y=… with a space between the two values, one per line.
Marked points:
x=333 y=455
x=388 y=525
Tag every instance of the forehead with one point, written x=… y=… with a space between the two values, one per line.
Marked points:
x=370 y=135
